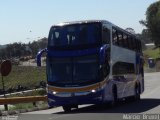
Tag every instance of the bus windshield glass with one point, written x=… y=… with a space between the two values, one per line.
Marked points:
x=76 y=34
x=73 y=71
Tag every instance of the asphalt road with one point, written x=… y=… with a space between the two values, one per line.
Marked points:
x=149 y=104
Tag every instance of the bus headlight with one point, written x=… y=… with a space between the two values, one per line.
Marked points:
x=93 y=91
x=54 y=93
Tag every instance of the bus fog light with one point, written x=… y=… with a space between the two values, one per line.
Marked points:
x=93 y=91
x=54 y=93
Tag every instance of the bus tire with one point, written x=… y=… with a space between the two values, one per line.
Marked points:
x=136 y=95
x=115 y=99
x=66 y=108
x=137 y=92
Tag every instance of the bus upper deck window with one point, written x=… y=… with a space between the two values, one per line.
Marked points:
x=106 y=36
x=56 y=38
x=83 y=34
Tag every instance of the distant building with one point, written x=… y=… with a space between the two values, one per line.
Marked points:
x=150 y=45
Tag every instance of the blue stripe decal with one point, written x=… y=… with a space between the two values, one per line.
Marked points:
x=72 y=53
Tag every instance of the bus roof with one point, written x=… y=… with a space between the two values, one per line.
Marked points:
x=81 y=22
x=94 y=21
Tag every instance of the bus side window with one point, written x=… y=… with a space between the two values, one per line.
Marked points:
x=134 y=44
x=129 y=42
x=121 y=68
x=140 y=46
x=115 y=37
x=125 y=40
x=120 y=39
x=106 y=35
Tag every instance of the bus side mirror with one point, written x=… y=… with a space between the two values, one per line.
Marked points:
x=102 y=53
x=104 y=70
x=39 y=55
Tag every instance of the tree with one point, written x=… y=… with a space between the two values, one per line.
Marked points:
x=145 y=36
x=152 y=22
x=131 y=30
x=42 y=43
x=18 y=49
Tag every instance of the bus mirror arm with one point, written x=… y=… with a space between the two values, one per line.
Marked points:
x=39 y=55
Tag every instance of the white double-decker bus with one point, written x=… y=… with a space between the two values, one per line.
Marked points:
x=92 y=62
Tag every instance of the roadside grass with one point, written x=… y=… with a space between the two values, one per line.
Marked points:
x=26 y=106
x=152 y=53
x=26 y=76
x=21 y=106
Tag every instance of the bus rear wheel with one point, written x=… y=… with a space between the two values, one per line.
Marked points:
x=137 y=92
x=136 y=95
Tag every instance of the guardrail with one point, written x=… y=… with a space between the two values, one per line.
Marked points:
x=16 y=100
x=20 y=92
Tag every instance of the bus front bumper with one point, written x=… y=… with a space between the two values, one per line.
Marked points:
x=60 y=99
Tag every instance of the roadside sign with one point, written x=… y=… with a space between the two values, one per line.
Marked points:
x=6 y=67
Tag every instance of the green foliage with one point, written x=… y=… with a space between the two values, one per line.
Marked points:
x=22 y=106
x=26 y=106
x=153 y=22
x=150 y=53
x=145 y=36
x=17 y=50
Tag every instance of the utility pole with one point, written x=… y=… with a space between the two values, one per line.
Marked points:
x=5 y=105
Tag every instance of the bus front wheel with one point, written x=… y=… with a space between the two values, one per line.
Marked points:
x=67 y=108
x=115 y=99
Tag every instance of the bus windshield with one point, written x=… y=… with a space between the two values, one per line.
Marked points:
x=76 y=34
x=73 y=71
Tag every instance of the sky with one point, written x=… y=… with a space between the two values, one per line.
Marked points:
x=28 y=20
